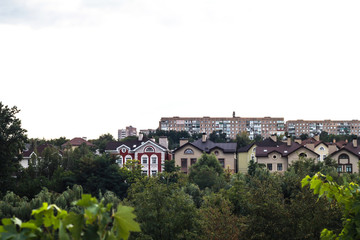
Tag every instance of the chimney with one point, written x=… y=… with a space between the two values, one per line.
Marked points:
x=183 y=141
x=346 y=140
x=334 y=140
x=317 y=137
x=288 y=141
x=163 y=141
x=274 y=137
x=140 y=138
x=355 y=144
x=203 y=139
x=153 y=139
x=298 y=140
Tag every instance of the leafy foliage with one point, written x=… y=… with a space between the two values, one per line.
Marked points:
x=348 y=198
x=12 y=142
x=95 y=222
x=207 y=172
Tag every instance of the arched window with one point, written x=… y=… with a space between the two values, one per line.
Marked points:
x=322 y=148
x=188 y=151
x=154 y=159
x=344 y=164
x=149 y=149
x=302 y=155
x=344 y=157
x=144 y=159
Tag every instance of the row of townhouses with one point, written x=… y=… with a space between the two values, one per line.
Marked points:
x=265 y=126
x=275 y=155
x=272 y=153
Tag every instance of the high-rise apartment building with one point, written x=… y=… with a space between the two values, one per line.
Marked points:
x=129 y=131
x=232 y=126
x=312 y=128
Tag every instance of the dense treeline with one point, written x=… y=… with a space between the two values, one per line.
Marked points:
x=209 y=203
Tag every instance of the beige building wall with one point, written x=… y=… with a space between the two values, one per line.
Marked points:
x=274 y=159
x=229 y=159
x=353 y=160
x=322 y=150
x=180 y=155
x=295 y=155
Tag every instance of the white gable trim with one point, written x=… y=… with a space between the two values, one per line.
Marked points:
x=122 y=146
x=152 y=143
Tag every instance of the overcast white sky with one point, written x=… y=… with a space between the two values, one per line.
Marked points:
x=88 y=67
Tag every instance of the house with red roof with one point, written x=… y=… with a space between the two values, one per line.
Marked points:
x=151 y=155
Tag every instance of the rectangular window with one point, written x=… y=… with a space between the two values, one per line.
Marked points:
x=144 y=172
x=153 y=160
x=222 y=162
x=193 y=161
x=339 y=169
x=349 y=168
x=153 y=172
x=184 y=165
x=279 y=167
x=269 y=166
x=144 y=160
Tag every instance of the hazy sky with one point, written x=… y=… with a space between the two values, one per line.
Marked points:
x=88 y=67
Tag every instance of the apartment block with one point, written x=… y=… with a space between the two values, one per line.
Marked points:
x=232 y=126
x=312 y=128
x=128 y=131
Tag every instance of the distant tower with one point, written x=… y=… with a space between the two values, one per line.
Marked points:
x=129 y=131
x=233 y=114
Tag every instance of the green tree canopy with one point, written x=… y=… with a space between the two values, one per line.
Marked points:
x=12 y=143
x=206 y=172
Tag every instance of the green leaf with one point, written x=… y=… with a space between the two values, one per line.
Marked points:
x=124 y=222
x=86 y=201
x=305 y=181
x=74 y=223
x=30 y=226
x=62 y=232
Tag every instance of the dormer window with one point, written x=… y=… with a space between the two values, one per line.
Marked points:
x=149 y=149
x=188 y=151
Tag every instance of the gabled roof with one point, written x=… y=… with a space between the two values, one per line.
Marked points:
x=77 y=142
x=313 y=141
x=39 y=150
x=268 y=142
x=132 y=144
x=209 y=145
x=246 y=148
x=350 y=148
x=282 y=149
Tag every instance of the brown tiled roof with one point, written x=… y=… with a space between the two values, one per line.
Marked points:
x=350 y=147
x=39 y=150
x=246 y=148
x=312 y=141
x=77 y=142
x=209 y=145
x=283 y=149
